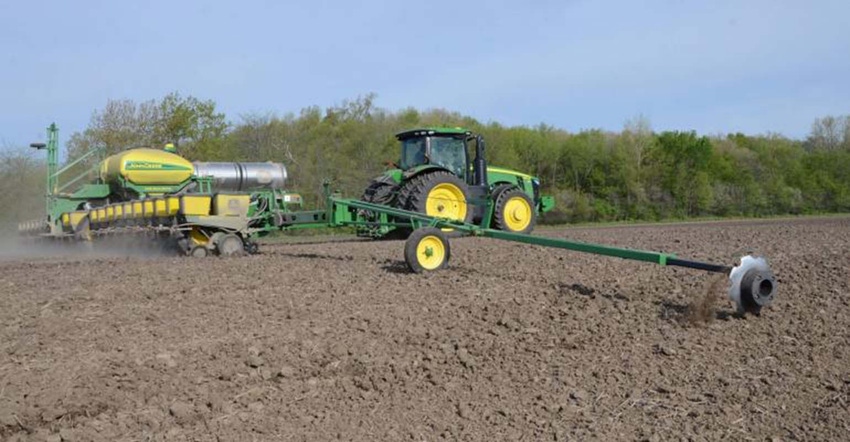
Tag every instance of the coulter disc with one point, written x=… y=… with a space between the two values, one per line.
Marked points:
x=752 y=284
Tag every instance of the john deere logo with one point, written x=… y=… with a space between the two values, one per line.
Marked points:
x=152 y=165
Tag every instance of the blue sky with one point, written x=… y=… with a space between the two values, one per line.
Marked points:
x=712 y=66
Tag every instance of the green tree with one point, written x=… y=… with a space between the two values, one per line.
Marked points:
x=22 y=187
x=684 y=160
x=191 y=124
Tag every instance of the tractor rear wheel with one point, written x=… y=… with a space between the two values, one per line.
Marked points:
x=427 y=249
x=514 y=211
x=438 y=194
x=378 y=192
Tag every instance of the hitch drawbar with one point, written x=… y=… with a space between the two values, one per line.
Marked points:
x=752 y=284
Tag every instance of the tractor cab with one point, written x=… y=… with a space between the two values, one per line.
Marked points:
x=445 y=148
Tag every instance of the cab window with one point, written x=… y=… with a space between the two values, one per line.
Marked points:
x=449 y=153
x=412 y=153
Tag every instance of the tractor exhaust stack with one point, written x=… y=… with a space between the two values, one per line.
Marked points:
x=479 y=164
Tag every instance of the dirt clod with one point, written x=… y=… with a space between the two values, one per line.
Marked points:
x=7 y=420
x=255 y=361
x=665 y=350
x=286 y=372
x=181 y=411
x=579 y=396
x=68 y=435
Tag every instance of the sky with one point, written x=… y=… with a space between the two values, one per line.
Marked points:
x=716 y=67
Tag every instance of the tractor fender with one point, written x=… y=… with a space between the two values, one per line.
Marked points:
x=419 y=170
x=391 y=177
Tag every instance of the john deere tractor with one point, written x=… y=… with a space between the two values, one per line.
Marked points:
x=436 y=176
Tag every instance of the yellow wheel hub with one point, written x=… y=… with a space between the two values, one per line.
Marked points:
x=430 y=252
x=517 y=214
x=446 y=201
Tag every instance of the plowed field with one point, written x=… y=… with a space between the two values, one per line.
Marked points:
x=329 y=340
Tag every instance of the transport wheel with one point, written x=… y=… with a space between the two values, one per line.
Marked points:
x=230 y=245
x=438 y=194
x=514 y=211
x=427 y=249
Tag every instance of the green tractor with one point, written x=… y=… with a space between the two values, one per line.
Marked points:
x=435 y=176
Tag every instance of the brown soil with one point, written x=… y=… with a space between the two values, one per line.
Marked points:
x=336 y=340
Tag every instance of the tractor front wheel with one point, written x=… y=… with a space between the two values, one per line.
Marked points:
x=514 y=211
x=427 y=249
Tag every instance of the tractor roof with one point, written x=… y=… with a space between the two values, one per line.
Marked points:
x=449 y=131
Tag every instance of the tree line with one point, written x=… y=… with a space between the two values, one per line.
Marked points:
x=595 y=175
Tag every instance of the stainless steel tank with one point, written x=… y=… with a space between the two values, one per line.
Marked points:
x=237 y=177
